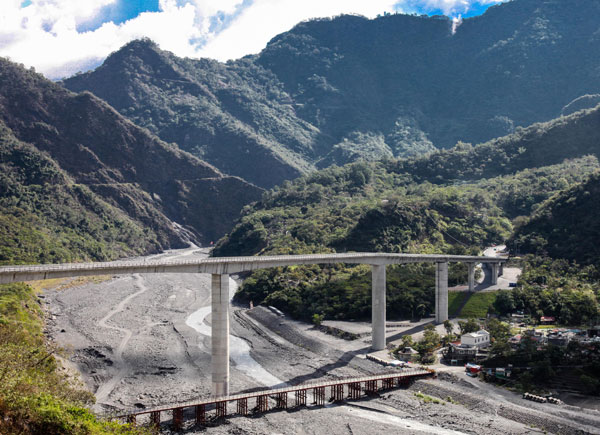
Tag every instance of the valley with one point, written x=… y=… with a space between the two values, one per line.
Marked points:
x=407 y=132
x=160 y=354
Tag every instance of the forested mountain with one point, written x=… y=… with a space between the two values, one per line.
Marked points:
x=235 y=117
x=337 y=90
x=566 y=226
x=452 y=201
x=79 y=181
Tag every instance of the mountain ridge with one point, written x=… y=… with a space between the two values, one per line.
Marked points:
x=333 y=91
x=86 y=144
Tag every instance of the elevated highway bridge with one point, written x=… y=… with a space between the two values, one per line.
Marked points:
x=221 y=267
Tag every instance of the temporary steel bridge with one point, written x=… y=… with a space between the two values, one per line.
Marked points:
x=277 y=399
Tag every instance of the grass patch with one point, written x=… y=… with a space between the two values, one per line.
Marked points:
x=35 y=397
x=66 y=283
x=478 y=304
x=428 y=399
x=455 y=301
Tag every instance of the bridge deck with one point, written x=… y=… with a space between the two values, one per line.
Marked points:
x=220 y=265
x=220 y=403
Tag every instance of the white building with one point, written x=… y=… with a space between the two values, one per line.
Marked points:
x=480 y=338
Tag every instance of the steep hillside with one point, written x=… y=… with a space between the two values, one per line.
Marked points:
x=448 y=202
x=506 y=177
x=566 y=226
x=235 y=117
x=538 y=145
x=332 y=91
x=80 y=181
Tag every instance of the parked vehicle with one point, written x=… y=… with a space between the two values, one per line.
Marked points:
x=472 y=369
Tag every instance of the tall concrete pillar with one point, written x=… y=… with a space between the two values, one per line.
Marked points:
x=441 y=292
x=378 y=307
x=471 y=276
x=220 y=335
x=494 y=267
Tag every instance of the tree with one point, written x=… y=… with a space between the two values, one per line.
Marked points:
x=470 y=325
x=317 y=319
x=499 y=331
x=448 y=326
x=407 y=341
x=427 y=345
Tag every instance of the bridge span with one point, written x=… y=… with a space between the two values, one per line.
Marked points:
x=340 y=389
x=221 y=267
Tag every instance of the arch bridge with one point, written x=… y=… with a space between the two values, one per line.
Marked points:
x=221 y=267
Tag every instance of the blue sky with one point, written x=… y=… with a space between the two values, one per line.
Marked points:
x=62 y=37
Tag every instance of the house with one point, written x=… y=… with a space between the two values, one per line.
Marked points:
x=408 y=354
x=559 y=338
x=477 y=339
x=515 y=341
x=458 y=354
x=547 y=320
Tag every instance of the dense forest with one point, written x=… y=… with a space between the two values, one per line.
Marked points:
x=566 y=226
x=333 y=91
x=79 y=181
x=404 y=206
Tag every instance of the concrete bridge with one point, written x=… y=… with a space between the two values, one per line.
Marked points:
x=222 y=267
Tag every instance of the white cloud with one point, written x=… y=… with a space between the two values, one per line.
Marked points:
x=49 y=40
x=44 y=34
x=256 y=25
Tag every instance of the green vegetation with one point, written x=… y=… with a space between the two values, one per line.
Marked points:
x=535 y=369
x=469 y=325
x=428 y=344
x=455 y=302
x=367 y=207
x=478 y=304
x=331 y=91
x=46 y=218
x=35 y=397
x=566 y=226
x=557 y=288
x=429 y=399
x=73 y=184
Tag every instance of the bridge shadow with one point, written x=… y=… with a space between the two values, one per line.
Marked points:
x=341 y=359
x=415 y=329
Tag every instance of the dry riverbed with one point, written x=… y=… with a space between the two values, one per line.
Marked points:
x=144 y=340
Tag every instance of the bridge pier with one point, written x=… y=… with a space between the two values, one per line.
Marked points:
x=471 y=276
x=220 y=334
x=494 y=267
x=378 y=307
x=441 y=292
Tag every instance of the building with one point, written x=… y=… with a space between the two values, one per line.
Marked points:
x=477 y=339
x=408 y=354
x=559 y=338
x=457 y=354
x=547 y=320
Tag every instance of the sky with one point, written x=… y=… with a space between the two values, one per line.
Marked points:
x=62 y=37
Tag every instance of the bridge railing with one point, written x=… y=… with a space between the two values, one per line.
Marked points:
x=354 y=387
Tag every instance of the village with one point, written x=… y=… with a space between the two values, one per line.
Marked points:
x=516 y=351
